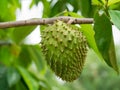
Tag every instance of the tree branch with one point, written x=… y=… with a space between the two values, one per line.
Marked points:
x=2 y=43
x=43 y=21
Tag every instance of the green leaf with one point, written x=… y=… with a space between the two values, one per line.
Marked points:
x=85 y=7
x=88 y=31
x=104 y=39
x=115 y=7
x=24 y=58
x=20 y=86
x=75 y=4
x=20 y=33
x=3 y=78
x=12 y=76
x=3 y=6
x=115 y=17
x=31 y=4
x=59 y=6
x=36 y=55
x=29 y=80
x=8 y=9
x=15 y=3
x=111 y=2
x=5 y=55
x=47 y=8
x=97 y=2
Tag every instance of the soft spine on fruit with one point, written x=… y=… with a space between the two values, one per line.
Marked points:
x=64 y=48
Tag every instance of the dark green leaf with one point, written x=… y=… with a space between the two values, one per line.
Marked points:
x=86 y=8
x=37 y=1
x=3 y=78
x=58 y=7
x=20 y=33
x=29 y=80
x=34 y=2
x=12 y=76
x=115 y=17
x=75 y=4
x=20 y=86
x=115 y=7
x=104 y=39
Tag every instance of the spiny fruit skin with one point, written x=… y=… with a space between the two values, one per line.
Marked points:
x=65 y=50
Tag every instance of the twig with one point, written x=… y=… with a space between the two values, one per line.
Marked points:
x=2 y=43
x=43 y=21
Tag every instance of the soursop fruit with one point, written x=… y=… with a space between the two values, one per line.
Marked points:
x=64 y=48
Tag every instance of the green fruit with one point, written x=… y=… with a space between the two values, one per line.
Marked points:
x=65 y=50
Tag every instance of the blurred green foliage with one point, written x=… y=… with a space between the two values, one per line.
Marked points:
x=23 y=67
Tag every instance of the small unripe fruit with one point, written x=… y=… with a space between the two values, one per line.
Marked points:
x=65 y=49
